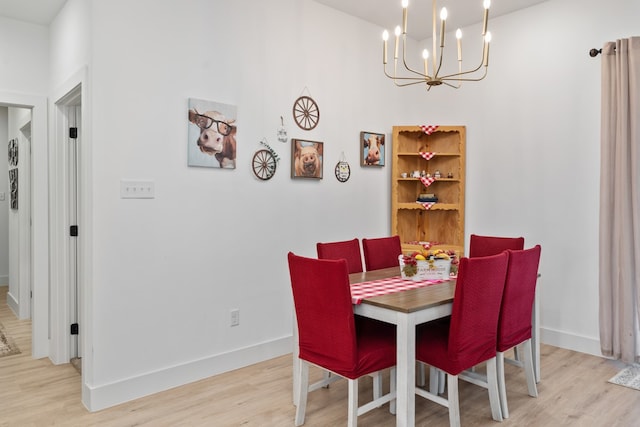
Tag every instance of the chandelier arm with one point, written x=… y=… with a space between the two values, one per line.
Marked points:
x=452 y=77
x=395 y=77
x=448 y=76
x=440 y=61
x=404 y=60
x=450 y=85
x=408 y=84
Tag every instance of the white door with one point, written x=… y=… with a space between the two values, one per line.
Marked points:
x=73 y=141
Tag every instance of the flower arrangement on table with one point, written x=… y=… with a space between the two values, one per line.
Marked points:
x=435 y=264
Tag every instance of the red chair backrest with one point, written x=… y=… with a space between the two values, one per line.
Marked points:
x=476 y=308
x=382 y=252
x=322 y=300
x=514 y=325
x=491 y=245
x=348 y=249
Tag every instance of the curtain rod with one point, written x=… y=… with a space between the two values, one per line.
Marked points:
x=595 y=52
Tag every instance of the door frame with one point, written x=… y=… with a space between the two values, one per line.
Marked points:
x=69 y=93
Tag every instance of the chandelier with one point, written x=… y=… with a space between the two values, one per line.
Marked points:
x=432 y=69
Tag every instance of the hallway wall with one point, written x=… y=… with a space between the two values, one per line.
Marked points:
x=4 y=204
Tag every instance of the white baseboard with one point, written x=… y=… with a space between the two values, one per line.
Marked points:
x=13 y=304
x=107 y=395
x=562 y=339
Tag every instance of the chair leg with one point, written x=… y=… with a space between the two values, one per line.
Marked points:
x=377 y=385
x=492 y=385
x=301 y=393
x=421 y=374
x=441 y=381
x=434 y=375
x=352 y=416
x=502 y=389
x=454 y=403
x=392 y=388
x=527 y=359
x=326 y=377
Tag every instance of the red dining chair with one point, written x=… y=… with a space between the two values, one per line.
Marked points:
x=348 y=249
x=469 y=336
x=479 y=246
x=514 y=325
x=329 y=337
x=491 y=245
x=382 y=252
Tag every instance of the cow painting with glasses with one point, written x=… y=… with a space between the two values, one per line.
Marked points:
x=216 y=136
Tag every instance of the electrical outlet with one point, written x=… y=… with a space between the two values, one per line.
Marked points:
x=235 y=317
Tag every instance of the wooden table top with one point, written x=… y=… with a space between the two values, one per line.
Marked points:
x=410 y=300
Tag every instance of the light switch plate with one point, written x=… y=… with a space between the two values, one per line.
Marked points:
x=137 y=189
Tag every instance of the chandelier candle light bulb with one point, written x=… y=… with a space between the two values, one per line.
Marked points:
x=405 y=4
x=485 y=19
x=487 y=40
x=443 y=19
x=385 y=37
x=425 y=56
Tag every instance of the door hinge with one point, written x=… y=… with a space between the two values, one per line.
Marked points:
x=73 y=231
x=73 y=133
x=74 y=329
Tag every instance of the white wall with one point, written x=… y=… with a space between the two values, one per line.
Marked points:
x=167 y=271
x=214 y=240
x=533 y=149
x=24 y=57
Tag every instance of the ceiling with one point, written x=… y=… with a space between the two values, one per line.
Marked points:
x=388 y=13
x=385 y=13
x=35 y=11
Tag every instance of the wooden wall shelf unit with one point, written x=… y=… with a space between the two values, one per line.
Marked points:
x=443 y=223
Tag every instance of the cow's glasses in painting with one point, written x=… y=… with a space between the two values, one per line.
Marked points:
x=205 y=122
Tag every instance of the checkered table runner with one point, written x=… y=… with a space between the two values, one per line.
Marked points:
x=426 y=245
x=360 y=291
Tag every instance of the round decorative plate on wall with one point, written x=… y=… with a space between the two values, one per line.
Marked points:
x=306 y=113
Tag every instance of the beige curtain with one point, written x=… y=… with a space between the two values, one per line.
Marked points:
x=619 y=201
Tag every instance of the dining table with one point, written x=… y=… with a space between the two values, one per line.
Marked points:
x=384 y=295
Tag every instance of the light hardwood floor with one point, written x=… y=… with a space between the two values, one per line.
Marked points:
x=573 y=392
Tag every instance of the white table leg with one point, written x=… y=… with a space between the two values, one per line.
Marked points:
x=406 y=366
